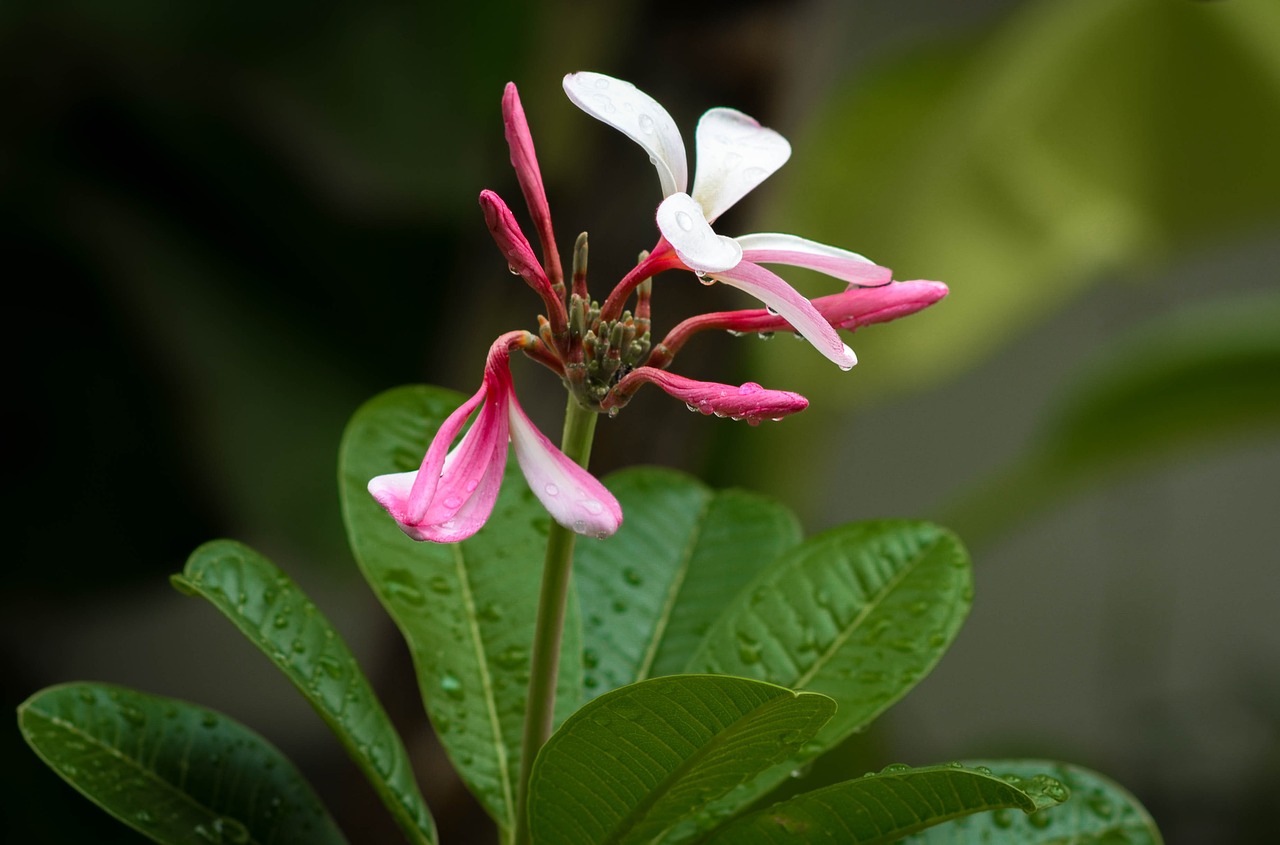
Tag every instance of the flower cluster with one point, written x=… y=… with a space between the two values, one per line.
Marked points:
x=603 y=352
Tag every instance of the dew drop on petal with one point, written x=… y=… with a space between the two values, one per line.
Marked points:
x=749 y=387
x=765 y=335
x=691 y=406
x=735 y=333
x=684 y=221
x=452 y=502
x=602 y=83
x=552 y=490
x=646 y=124
x=593 y=507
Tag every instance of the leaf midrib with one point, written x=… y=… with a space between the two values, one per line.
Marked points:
x=826 y=654
x=673 y=592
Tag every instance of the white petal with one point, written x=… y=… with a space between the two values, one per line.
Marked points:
x=638 y=116
x=792 y=307
x=774 y=248
x=735 y=153
x=572 y=496
x=682 y=223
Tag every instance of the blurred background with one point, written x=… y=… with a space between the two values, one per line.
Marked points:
x=225 y=225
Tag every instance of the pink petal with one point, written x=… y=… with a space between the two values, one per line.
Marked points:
x=472 y=477
x=638 y=116
x=525 y=162
x=572 y=496
x=862 y=306
x=735 y=154
x=774 y=248
x=792 y=307
x=749 y=401
x=683 y=225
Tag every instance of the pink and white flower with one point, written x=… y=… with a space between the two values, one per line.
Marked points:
x=735 y=154
x=450 y=496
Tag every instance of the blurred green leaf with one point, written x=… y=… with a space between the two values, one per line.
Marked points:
x=1099 y=812
x=1201 y=377
x=649 y=592
x=466 y=609
x=633 y=762
x=882 y=808
x=1078 y=141
x=173 y=771
x=270 y=610
x=860 y=613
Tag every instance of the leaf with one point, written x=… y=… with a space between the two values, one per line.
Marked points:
x=173 y=771
x=649 y=592
x=1202 y=377
x=270 y=610
x=633 y=762
x=466 y=609
x=1100 y=812
x=860 y=613
x=882 y=808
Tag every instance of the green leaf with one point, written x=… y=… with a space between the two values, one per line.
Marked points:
x=269 y=609
x=1202 y=377
x=466 y=609
x=649 y=593
x=860 y=613
x=883 y=808
x=635 y=761
x=173 y=771
x=1100 y=812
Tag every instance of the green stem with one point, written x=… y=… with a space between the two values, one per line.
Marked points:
x=579 y=428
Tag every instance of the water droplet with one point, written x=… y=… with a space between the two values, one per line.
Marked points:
x=580 y=526
x=472 y=485
x=590 y=659
x=982 y=770
x=646 y=124
x=440 y=584
x=330 y=666
x=691 y=406
x=1039 y=820
x=735 y=332
x=1002 y=818
x=632 y=577
x=705 y=279
x=895 y=768
x=400 y=587
x=613 y=412
x=1100 y=807
x=619 y=606
x=88 y=697
x=143 y=817
x=281 y=620
x=512 y=657
x=684 y=221
x=452 y=686
x=298 y=646
x=552 y=490
x=133 y=716
x=748 y=388
x=452 y=502
x=511 y=268
x=602 y=83
x=491 y=612
x=605 y=103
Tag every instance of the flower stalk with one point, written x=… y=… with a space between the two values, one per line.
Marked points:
x=544 y=669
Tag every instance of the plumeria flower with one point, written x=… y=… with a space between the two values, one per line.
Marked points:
x=735 y=154
x=749 y=401
x=450 y=496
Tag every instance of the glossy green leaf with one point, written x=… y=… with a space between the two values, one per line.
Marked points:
x=860 y=613
x=635 y=761
x=270 y=610
x=649 y=593
x=466 y=609
x=1100 y=812
x=1208 y=376
x=178 y=773
x=883 y=808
